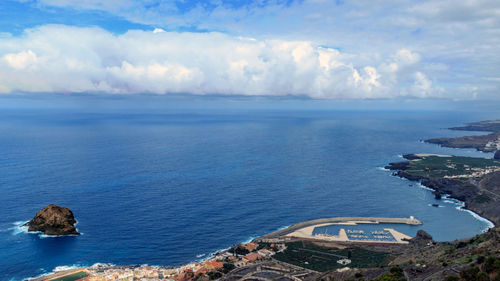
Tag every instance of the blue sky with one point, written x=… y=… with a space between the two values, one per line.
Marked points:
x=314 y=48
x=16 y=16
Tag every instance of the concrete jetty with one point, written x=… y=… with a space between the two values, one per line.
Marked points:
x=337 y=220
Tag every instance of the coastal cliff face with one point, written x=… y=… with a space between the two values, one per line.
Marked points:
x=54 y=220
x=482 y=201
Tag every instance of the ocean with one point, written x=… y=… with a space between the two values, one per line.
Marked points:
x=170 y=180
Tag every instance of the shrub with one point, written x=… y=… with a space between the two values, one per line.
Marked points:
x=482 y=276
x=470 y=274
x=489 y=264
x=396 y=271
x=228 y=267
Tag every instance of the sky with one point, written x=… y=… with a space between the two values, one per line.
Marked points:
x=319 y=49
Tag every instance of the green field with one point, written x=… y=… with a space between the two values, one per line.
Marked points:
x=438 y=167
x=308 y=255
x=72 y=277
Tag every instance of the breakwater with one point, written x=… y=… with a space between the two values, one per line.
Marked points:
x=373 y=220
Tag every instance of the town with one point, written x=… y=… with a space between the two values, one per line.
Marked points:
x=209 y=269
x=473 y=172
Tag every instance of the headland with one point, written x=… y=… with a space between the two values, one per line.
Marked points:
x=486 y=143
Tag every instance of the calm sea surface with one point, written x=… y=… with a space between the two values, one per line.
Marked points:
x=163 y=185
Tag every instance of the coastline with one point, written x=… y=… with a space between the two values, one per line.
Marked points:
x=429 y=184
x=422 y=182
x=460 y=206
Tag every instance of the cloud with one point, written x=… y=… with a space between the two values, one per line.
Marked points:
x=57 y=58
x=21 y=60
x=453 y=44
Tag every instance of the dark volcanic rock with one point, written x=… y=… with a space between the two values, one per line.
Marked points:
x=497 y=155
x=421 y=234
x=411 y=156
x=398 y=165
x=437 y=194
x=422 y=237
x=53 y=220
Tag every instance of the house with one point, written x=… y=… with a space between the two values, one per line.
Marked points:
x=250 y=246
x=213 y=265
x=252 y=257
x=265 y=253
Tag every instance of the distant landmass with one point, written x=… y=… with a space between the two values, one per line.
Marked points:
x=486 y=143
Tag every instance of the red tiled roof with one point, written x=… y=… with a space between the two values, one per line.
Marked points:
x=252 y=257
x=250 y=246
x=214 y=264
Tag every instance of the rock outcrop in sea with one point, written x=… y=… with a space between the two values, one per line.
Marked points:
x=53 y=220
x=497 y=155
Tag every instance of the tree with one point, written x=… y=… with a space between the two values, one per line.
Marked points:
x=228 y=267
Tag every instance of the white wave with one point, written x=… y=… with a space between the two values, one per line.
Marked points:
x=19 y=227
x=97 y=264
x=65 y=267
x=248 y=240
x=424 y=187
x=460 y=206
x=400 y=155
x=43 y=235
x=204 y=257
x=478 y=217
x=382 y=169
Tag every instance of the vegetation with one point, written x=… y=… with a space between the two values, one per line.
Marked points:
x=311 y=256
x=72 y=277
x=438 y=167
x=228 y=267
x=214 y=275
x=239 y=251
x=396 y=274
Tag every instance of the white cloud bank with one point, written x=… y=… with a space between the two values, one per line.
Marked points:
x=55 y=58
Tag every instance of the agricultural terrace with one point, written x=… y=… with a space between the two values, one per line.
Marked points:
x=441 y=166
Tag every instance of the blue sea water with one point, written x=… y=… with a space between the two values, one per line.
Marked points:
x=163 y=181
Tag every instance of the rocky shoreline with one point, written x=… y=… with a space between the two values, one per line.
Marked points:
x=466 y=192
